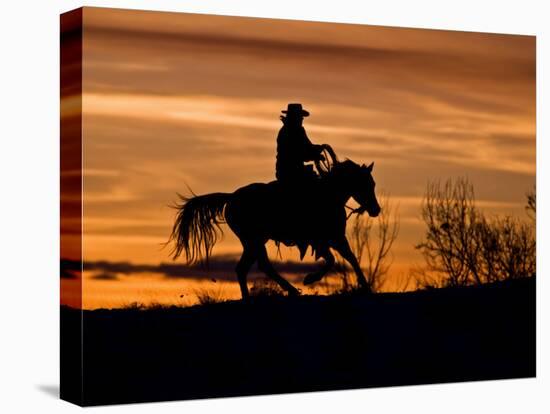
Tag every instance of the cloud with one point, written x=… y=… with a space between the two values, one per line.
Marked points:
x=220 y=267
x=70 y=269
x=175 y=99
x=104 y=276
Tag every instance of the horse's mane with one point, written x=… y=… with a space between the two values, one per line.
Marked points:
x=342 y=167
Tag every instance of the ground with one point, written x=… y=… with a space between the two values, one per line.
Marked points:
x=309 y=343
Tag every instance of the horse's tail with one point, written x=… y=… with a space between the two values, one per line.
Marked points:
x=197 y=226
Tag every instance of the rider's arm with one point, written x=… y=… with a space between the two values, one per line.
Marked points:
x=310 y=151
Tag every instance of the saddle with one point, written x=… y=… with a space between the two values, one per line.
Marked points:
x=298 y=201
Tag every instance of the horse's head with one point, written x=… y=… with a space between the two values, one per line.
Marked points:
x=365 y=194
x=358 y=179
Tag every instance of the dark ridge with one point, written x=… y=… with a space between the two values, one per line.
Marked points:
x=278 y=344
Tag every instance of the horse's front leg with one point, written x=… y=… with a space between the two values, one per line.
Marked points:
x=316 y=276
x=345 y=251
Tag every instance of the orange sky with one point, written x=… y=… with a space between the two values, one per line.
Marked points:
x=171 y=99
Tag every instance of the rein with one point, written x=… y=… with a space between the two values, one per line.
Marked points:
x=325 y=165
x=359 y=210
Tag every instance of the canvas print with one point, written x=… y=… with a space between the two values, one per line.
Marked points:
x=258 y=206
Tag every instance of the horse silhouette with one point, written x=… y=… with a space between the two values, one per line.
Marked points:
x=308 y=213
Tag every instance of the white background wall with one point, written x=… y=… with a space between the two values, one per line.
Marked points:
x=29 y=160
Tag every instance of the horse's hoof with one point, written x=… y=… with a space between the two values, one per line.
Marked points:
x=365 y=289
x=311 y=278
x=294 y=292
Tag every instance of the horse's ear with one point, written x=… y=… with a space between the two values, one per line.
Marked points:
x=371 y=166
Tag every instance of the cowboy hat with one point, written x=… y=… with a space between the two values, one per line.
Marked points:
x=295 y=109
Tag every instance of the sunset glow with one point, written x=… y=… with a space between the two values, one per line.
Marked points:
x=173 y=102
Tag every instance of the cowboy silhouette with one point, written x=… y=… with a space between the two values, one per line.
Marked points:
x=293 y=214
x=294 y=147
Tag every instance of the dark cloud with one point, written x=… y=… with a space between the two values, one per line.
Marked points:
x=70 y=269
x=219 y=267
x=67 y=274
x=104 y=276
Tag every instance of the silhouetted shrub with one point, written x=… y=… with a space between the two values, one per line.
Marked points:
x=508 y=249
x=463 y=247
x=208 y=295
x=265 y=287
x=531 y=206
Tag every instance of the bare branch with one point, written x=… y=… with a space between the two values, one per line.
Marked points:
x=371 y=240
x=463 y=247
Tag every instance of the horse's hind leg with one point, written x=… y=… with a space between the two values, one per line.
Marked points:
x=242 y=269
x=265 y=266
x=316 y=276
